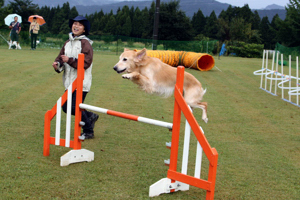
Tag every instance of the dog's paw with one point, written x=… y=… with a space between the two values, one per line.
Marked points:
x=205 y=120
x=127 y=76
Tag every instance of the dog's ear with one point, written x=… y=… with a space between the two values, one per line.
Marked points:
x=125 y=49
x=140 y=55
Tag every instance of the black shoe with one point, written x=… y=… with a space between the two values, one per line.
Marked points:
x=93 y=119
x=87 y=135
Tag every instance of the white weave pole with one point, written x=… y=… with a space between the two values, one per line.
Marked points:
x=276 y=73
x=290 y=77
x=266 y=74
x=282 y=90
x=262 y=69
x=297 y=82
x=272 y=72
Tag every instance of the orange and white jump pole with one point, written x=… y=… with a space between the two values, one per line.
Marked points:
x=127 y=116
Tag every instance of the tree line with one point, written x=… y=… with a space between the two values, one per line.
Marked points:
x=234 y=24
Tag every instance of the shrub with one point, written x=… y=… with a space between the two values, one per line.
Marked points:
x=243 y=49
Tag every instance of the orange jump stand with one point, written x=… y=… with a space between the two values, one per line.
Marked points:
x=77 y=154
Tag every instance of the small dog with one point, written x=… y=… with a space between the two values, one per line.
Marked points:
x=154 y=76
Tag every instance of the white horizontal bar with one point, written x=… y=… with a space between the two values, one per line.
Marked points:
x=93 y=108
x=155 y=122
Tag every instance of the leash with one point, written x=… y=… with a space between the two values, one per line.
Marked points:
x=4 y=39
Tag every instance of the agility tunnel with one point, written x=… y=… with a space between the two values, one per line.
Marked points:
x=200 y=61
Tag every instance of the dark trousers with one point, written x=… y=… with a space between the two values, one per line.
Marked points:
x=14 y=36
x=85 y=117
x=33 y=40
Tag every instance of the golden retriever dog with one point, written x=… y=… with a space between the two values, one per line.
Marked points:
x=155 y=77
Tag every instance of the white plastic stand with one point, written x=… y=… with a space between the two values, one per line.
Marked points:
x=75 y=156
x=165 y=186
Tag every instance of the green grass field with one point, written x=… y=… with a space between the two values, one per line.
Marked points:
x=257 y=135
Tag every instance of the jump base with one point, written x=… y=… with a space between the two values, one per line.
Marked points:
x=75 y=156
x=164 y=186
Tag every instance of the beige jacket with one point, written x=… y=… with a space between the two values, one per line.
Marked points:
x=35 y=27
x=72 y=48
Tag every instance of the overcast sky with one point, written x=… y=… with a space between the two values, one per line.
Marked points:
x=255 y=4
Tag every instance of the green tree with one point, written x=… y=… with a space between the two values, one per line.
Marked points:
x=244 y=13
x=255 y=20
x=4 y=11
x=198 y=22
x=228 y=14
x=24 y=8
x=126 y=28
x=148 y=15
x=47 y=14
x=73 y=13
x=103 y=22
x=138 y=21
x=274 y=28
x=223 y=30
x=57 y=20
x=44 y=12
x=265 y=32
x=290 y=26
x=173 y=23
x=111 y=25
x=64 y=14
x=60 y=21
x=240 y=30
x=211 y=27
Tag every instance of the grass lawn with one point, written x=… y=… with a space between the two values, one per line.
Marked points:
x=257 y=135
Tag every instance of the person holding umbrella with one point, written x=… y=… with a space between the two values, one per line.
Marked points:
x=33 y=32
x=15 y=27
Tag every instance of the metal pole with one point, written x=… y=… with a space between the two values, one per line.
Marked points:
x=155 y=26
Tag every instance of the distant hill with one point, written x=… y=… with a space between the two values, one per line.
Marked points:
x=188 y=6
x=274 y=7
x=271 y=13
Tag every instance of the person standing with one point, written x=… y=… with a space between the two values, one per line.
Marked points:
x=33 y=32
x=67 y=61
x=15 y=27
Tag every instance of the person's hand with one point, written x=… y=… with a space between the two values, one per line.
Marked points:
x=55 y=65
x=64 y=58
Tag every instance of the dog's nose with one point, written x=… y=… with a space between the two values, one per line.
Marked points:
x=115 y=68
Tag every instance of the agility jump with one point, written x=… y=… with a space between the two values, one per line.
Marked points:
x=273 y=73
x=175 y=180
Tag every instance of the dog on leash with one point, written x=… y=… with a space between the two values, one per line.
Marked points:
x=154 y=76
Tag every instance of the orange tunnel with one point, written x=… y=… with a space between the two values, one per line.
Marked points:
x=201 y=61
